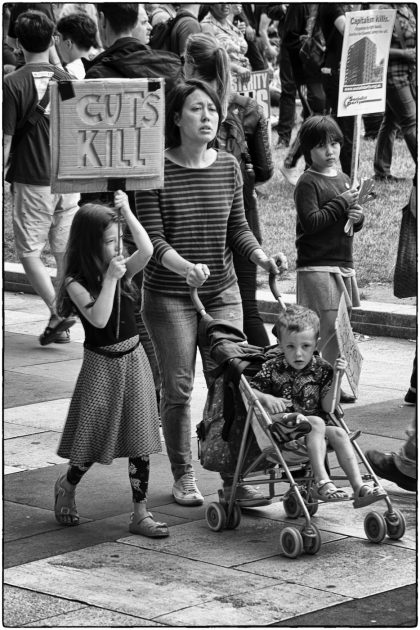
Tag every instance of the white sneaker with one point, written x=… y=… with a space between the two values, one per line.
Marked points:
x=185 y=491
x=291 y=174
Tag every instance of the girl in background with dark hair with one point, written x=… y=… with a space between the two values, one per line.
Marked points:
x=324 y=202
x=194 y=223
x=113 y=410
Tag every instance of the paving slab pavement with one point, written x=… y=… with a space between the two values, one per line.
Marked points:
x=97 y=574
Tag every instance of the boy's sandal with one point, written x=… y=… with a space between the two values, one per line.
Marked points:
x=325 y=490
x=49 y=334
x=65 y=509
x=147 y=526
x=371 y=495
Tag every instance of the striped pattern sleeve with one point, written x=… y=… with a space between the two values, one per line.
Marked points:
x=199 y=213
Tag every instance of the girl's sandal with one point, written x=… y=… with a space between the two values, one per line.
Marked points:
x=147 y=526
x=370 y=495
x=325 y=490
x=64 y=504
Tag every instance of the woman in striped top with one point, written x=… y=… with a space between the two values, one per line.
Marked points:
x=194 y=223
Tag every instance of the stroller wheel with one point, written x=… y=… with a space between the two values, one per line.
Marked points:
x=291 y=505
x=375 y=527
x=216 y=517
x=291 y=543
x=311 y=539
x=235 y=517
x=395 y=524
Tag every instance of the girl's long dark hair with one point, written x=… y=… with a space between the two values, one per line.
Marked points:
x=83 y=260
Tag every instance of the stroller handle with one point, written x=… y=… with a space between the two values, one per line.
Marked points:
x=272 y=281
x=199 y=306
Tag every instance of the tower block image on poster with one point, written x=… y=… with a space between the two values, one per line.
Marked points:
x=107 y=129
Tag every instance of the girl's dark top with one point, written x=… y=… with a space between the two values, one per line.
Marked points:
x=99 y=337
x=320 y=237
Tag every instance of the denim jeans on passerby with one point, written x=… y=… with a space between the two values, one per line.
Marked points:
x=400 y=111
x=172 y=323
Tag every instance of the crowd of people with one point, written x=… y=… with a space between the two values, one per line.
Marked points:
x=201 y=230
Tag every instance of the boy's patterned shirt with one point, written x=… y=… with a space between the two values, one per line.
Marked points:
x=305 y=388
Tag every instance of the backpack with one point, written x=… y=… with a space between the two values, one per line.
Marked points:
x=312 y=53
x=162 y=35
x=148 y=64
x=232 y=139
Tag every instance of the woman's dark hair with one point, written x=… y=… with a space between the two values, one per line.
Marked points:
x=176 y=101
x=34 y=31
x=83 y=260
x=318 y=130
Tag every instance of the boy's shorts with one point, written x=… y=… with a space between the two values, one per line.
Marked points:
x=40 y=215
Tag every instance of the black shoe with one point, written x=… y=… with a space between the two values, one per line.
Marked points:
x=384 y=466
x=55 y=327
x=411 y=397
x=347 y=398
x=388 y=178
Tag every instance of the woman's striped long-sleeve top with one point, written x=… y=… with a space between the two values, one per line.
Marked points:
x=200 y=214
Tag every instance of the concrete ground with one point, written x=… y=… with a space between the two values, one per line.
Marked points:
x=97 y=574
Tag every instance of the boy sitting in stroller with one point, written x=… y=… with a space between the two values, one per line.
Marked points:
x=299 y=380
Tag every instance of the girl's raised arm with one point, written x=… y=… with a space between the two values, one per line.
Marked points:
x=98 y=312
x=137 y=261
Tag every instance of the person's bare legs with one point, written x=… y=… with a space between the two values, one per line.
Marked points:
x=40 y=280
x=317 y=448
x=340 y=442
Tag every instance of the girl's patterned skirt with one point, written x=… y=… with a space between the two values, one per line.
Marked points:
x=113 y=411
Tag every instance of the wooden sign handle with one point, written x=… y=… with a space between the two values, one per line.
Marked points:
x=348 y=228
x=119 y=280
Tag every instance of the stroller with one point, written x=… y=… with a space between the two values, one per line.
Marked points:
x=237 y=434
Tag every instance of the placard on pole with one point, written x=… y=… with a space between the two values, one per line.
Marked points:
x=103 y=130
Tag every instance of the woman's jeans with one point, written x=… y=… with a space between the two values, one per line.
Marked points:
x=172 y=323
x=400 y=111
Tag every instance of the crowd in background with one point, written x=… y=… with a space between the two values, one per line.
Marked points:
x=208 y=43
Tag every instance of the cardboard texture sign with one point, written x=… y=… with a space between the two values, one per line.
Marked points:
x=348 y=346
x=107 y=134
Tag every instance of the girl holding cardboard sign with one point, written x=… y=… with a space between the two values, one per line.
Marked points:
x=113 y=411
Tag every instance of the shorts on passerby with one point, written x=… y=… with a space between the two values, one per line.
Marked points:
x=40 y=216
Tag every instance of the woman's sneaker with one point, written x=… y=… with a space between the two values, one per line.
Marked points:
x=185 y=491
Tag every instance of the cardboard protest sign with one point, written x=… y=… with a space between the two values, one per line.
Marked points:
x=257 y=88
x=364 y=61
x=107 y=133
x=348 y=346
